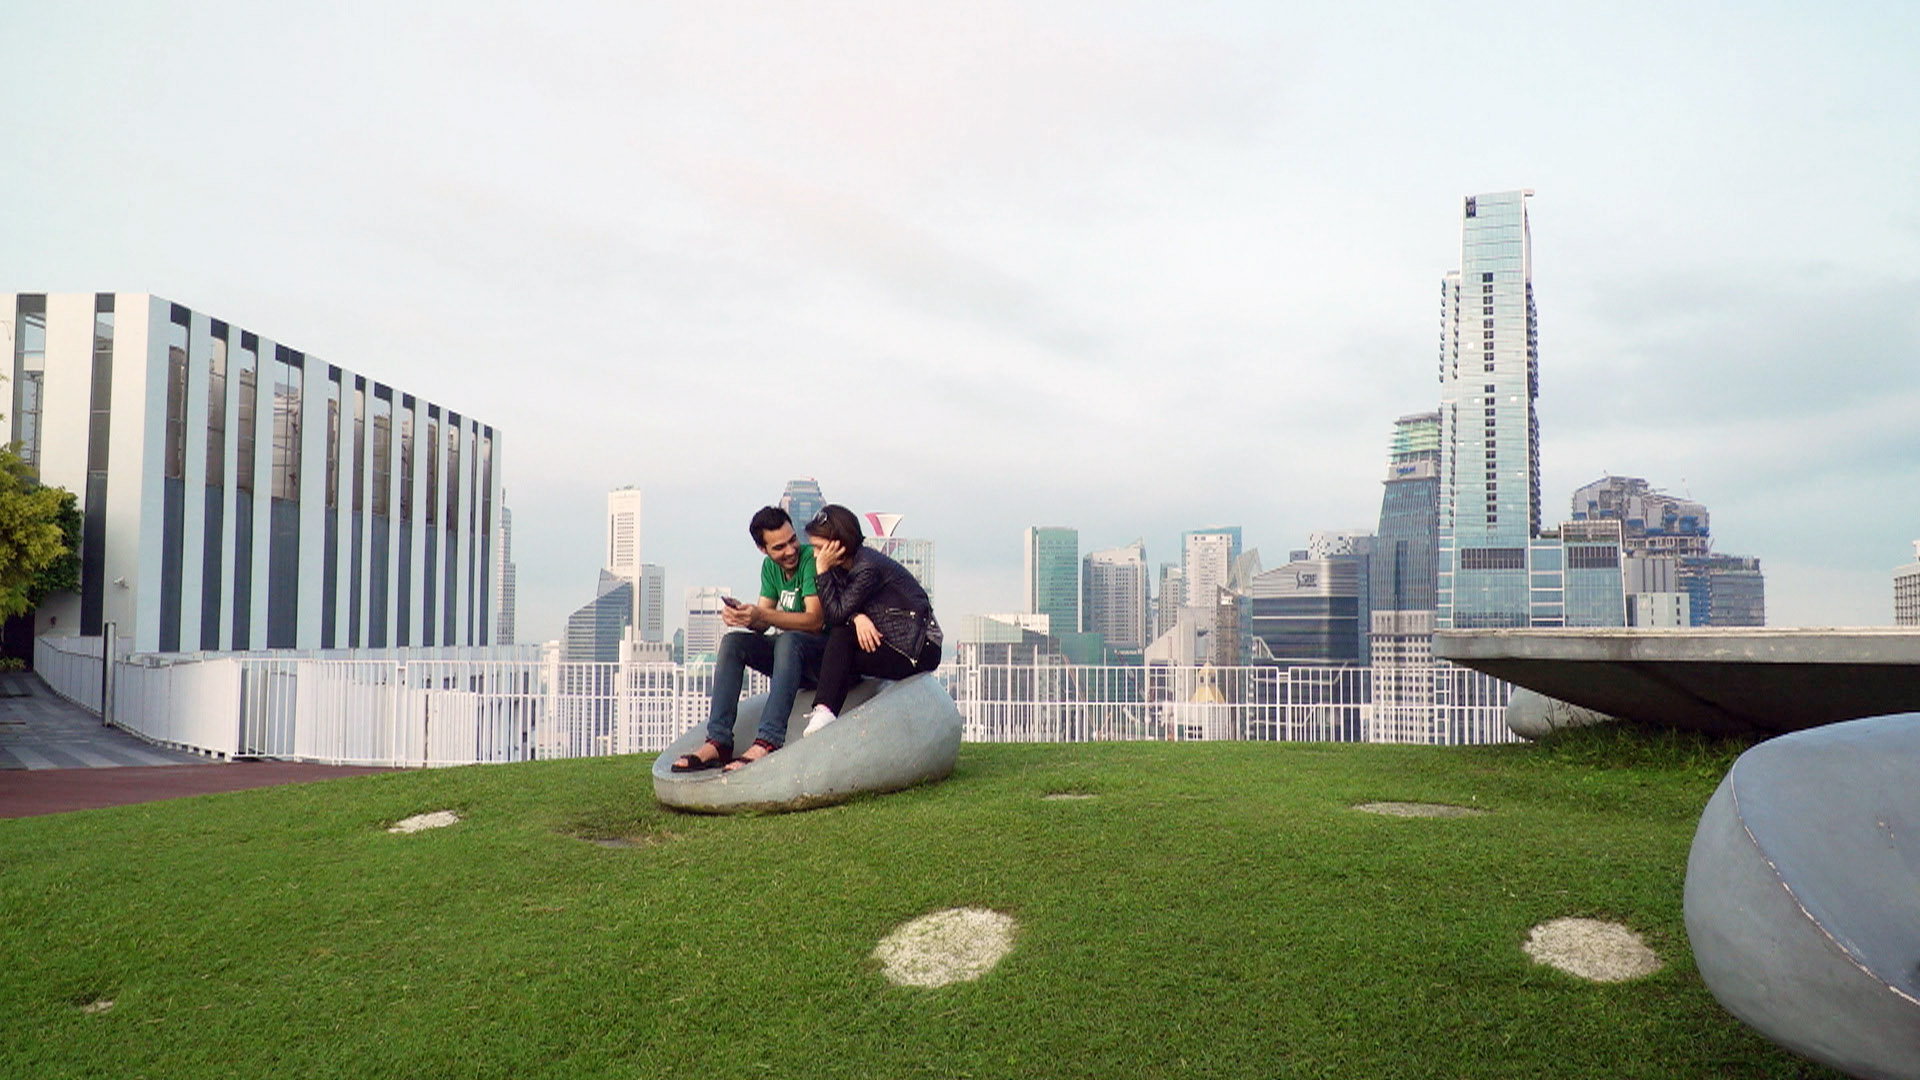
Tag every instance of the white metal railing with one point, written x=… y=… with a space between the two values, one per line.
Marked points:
x=1040 y=703
x=401 y=708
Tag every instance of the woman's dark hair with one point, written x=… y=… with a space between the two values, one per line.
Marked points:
x=765 y=520
x=836 y=522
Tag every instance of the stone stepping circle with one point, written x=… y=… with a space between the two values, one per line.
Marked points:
x=1416 y=809
x=438 y=819
x=955 y=945
x=1592 y=949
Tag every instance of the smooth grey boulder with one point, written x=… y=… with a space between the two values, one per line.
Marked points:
x=890 y=735
x=1533 y=715
x=1803 y=894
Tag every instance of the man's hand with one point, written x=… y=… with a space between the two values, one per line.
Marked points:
x=738 y=617
x=825 y=556
x=866 y=633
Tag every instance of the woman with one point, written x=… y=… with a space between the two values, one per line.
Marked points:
x=879 y=620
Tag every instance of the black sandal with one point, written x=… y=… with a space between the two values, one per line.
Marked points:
x=695 y=763
x=742 y=762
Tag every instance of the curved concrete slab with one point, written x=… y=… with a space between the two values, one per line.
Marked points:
x=890 y=735
x=1759 y=681
x=1803 y=894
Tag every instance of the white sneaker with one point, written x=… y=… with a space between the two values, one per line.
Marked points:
x=820 y=717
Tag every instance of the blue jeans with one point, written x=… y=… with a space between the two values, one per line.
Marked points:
x=791 y=659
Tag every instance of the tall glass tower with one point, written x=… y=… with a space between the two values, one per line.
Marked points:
x=801 y=500
x=1403 y=553
x=1495 y=569
x=1051 y=564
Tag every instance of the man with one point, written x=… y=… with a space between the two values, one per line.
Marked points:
x=788 y=605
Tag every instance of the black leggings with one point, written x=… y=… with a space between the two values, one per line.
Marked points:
x=845 y=661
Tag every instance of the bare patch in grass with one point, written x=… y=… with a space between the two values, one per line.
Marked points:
x=644 y=840
x=1065 y=795
x=1592 y=949
x=1418 y=809
x=955 y=945
x=438 y=819
x=97 y=1006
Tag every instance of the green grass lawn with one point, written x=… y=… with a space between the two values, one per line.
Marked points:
x=1217 y=910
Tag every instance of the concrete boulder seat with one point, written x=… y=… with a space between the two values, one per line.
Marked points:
x=1803 y=894
x=890 y=735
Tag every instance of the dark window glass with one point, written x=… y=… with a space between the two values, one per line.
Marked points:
x=247 y=413
x=433 y=472
x=333 y=444
x=217 y=411
x=177 y=340
x=359 y=449
x=382 y=457
x=286 y=431
x=453 y=475
x=406 y=464
x=29 y=366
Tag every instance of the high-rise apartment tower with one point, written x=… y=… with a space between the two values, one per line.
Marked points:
x=1114 y=591
x=1489 y=504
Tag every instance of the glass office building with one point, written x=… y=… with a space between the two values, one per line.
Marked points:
x=1408 y=537
x=1050 y=572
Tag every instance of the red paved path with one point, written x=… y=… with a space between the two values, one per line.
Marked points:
x=25 y=793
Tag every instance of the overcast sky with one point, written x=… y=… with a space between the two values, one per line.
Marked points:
x=1135 y=268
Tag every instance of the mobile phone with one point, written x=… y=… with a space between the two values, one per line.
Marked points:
x=731 y=602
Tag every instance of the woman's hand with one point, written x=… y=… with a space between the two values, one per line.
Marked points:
x=825 y=555
x=866 y=633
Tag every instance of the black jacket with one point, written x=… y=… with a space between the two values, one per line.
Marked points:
x=883 y=590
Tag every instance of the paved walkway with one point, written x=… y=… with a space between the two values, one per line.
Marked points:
x=39 y=730
x=56 y=756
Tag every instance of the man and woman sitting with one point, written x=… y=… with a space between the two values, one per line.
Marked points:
x=829 y=612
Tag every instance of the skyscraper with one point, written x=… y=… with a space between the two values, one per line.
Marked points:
x=704 y=627
x=1906 y=591
x=1170 y=598
x=623 y=532
x=1672 y=532
x=623 y=542
x=1207 y=557
x=595 y=630
x=801 y=501
x=1724 y=590
x=914 y=554
x=506 y=574
x=1489 y=505
x=1050 y=565
x=1652 y=522
x=1408 y=538
x=1114 y=591
x=652 y=587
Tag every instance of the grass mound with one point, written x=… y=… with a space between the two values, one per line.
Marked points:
x=1218 y=910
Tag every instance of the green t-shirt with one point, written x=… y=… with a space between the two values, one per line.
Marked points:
x=788 y=592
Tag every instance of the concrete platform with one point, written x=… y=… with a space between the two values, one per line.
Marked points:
x=1725 y=682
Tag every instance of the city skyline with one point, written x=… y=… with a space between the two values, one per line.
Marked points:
x=1134 y=270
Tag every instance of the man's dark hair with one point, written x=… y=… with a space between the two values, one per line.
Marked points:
x=766 y=520
x=836 y=522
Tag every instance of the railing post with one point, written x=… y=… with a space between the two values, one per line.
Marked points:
x=107 y=634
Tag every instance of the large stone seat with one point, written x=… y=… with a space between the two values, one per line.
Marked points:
x=1803 y=894
x=890 y=735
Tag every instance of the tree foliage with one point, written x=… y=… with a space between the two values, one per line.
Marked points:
x=39 y=533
